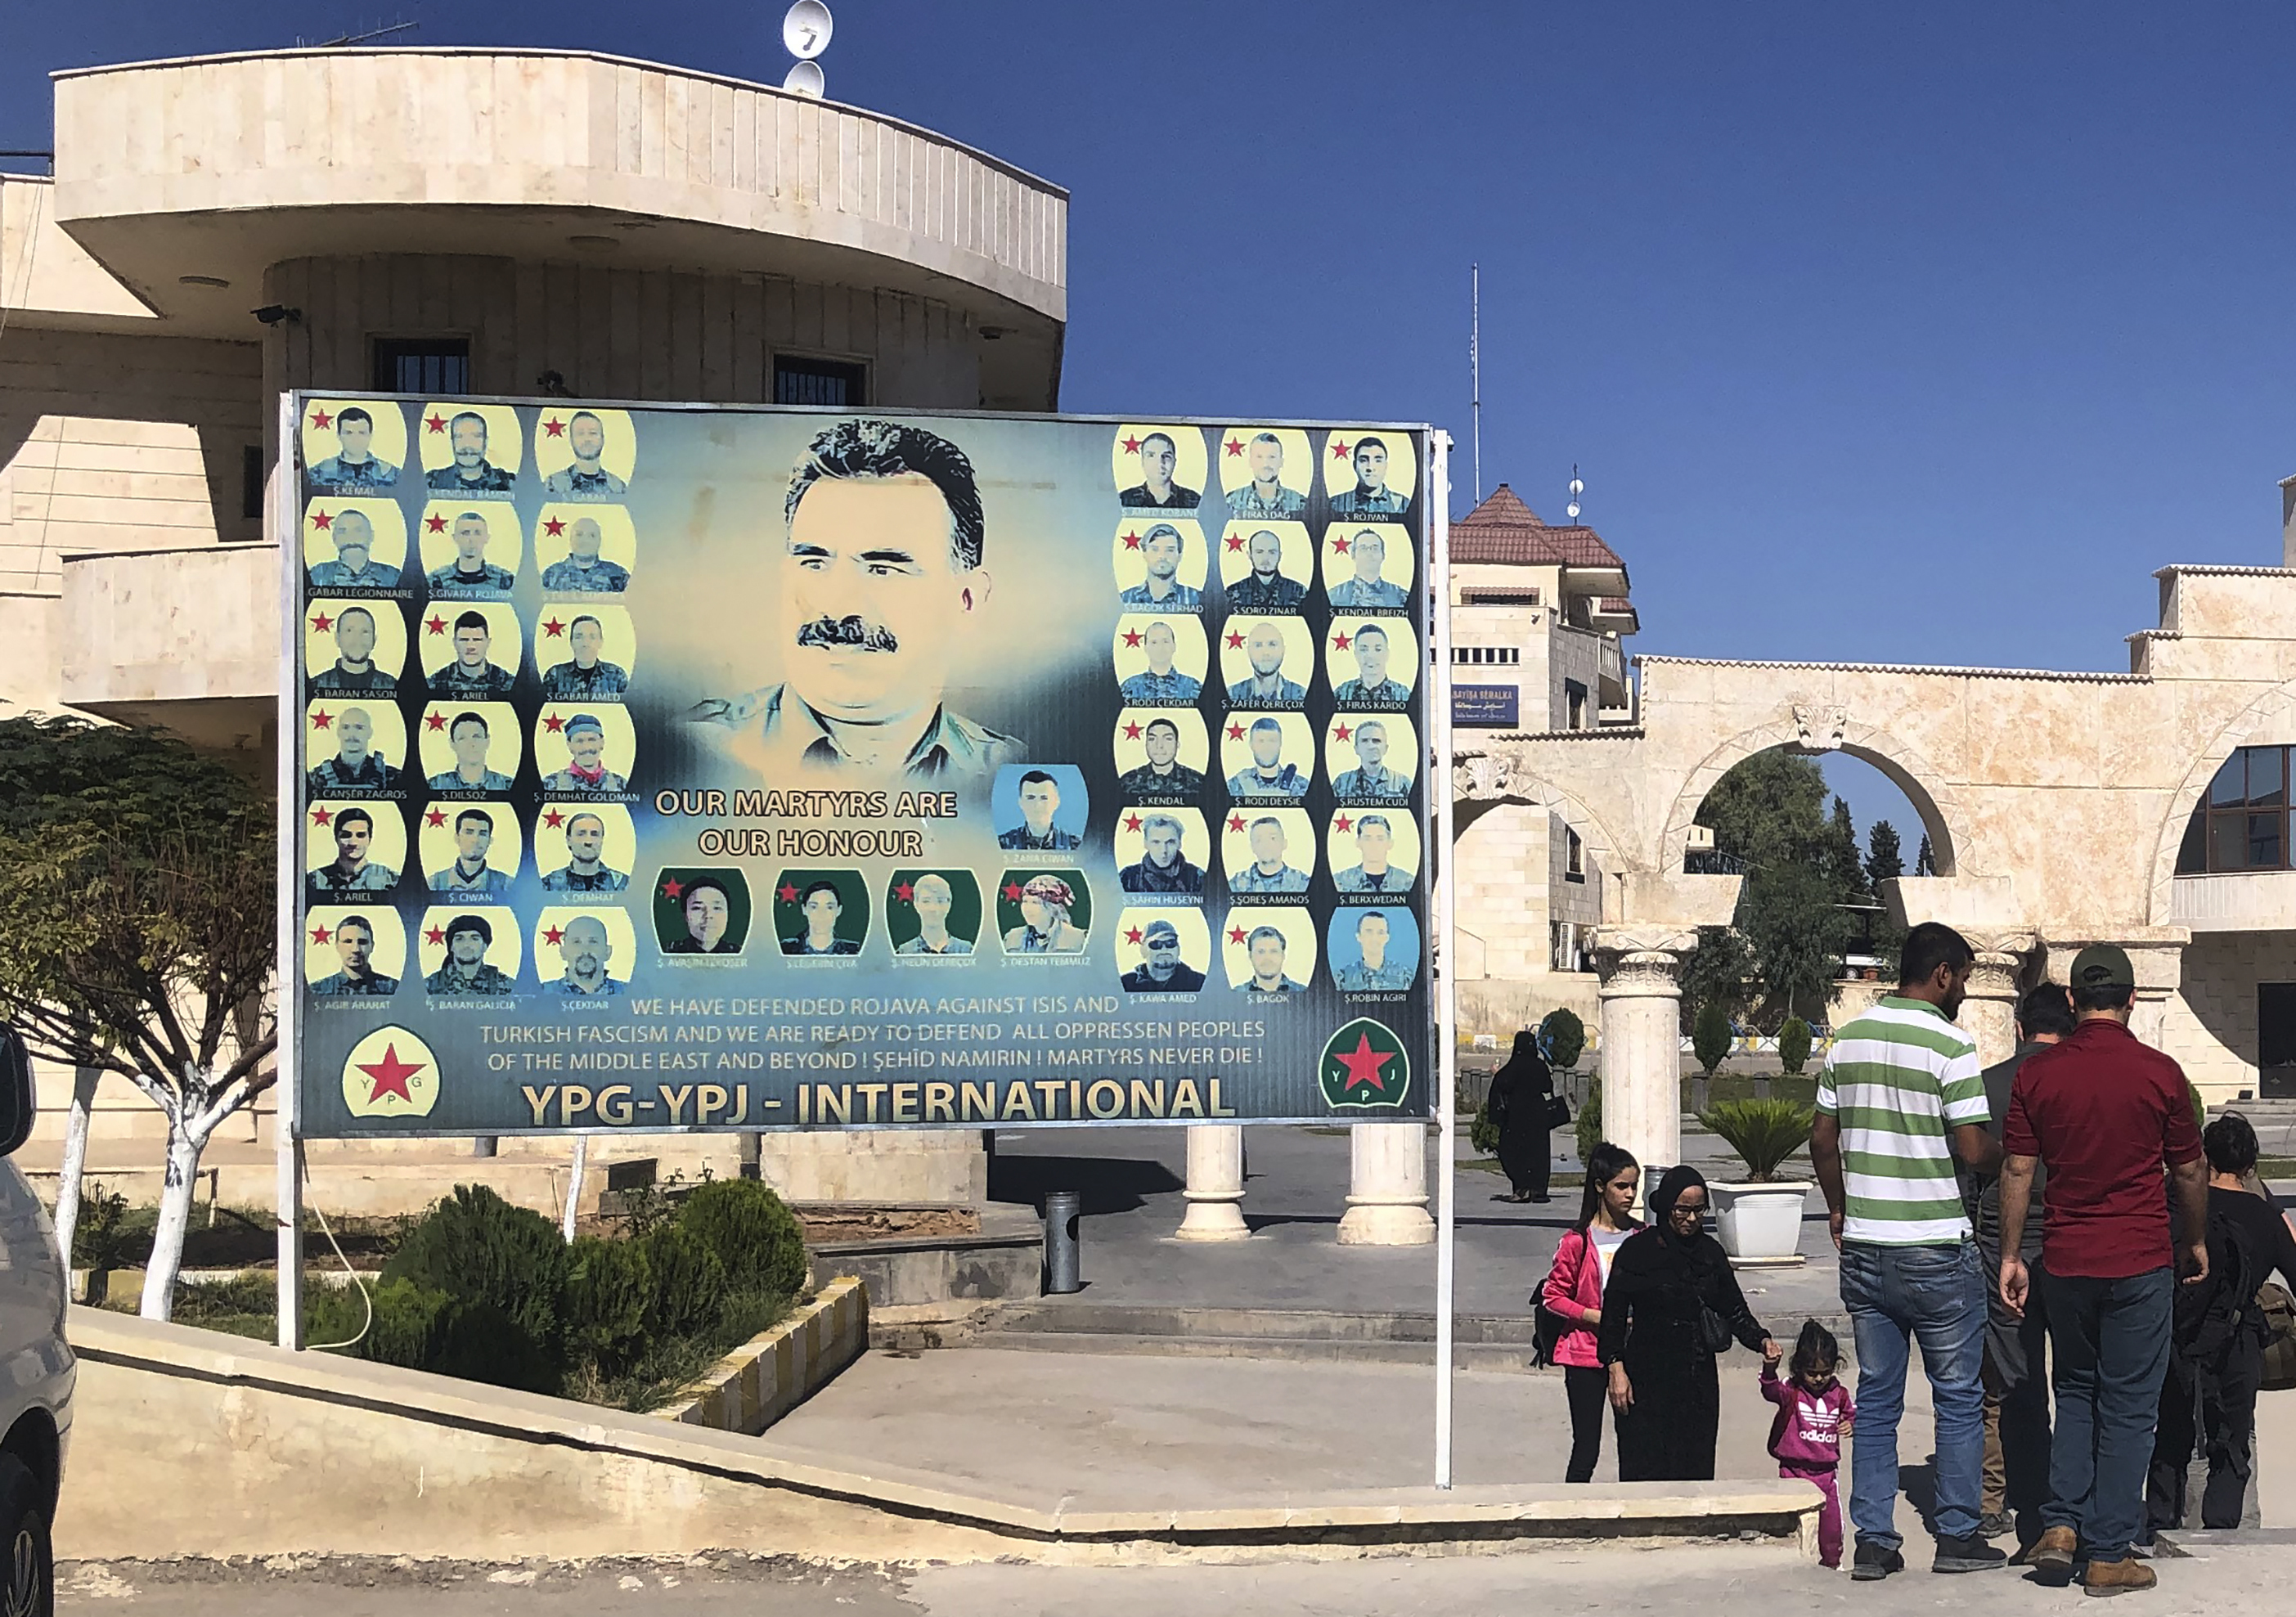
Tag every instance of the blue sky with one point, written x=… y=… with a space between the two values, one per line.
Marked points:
x=1910 y=333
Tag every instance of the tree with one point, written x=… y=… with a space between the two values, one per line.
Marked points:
x=1796 y=931
x=1845 y=872
x=1711 y=1037
x=1884 y=861
x=1802 y=864
x=1719 y=972
x=138 y=909
x=1925 y=861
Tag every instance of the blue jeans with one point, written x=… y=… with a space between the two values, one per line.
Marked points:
x=1935 y=1296
x=2109 y=1341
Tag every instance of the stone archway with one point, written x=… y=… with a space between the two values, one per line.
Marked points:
x=2274 y=712
x=1809 y=733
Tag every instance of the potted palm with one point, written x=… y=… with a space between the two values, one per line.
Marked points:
x=1759 y=1222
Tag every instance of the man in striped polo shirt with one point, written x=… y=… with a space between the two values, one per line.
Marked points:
x=1901 y=1096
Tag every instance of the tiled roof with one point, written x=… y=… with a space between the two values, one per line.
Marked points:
x=1614 y=603
x=1504 y=530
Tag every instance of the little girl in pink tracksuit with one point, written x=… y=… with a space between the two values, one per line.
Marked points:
x=1815 y=1413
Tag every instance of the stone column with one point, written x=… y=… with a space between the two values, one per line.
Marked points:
x=1989 y=1014
x=1387 y=1192
x=1214 y=1184
x=1642 y=1042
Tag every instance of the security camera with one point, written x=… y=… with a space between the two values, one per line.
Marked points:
x=272 y=313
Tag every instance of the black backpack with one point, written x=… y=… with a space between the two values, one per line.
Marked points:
x=2210 y=1319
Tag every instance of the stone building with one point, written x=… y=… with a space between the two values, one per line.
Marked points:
x=218 y=229
x=2147 y=808
x=1539 y=617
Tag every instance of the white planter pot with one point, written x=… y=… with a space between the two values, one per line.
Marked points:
x=1759 y=1224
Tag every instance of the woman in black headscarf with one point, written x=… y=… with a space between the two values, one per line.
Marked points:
x=1670 y=1306
x=1521 y=1092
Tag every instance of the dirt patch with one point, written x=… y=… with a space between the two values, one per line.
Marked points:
x=831 y=1226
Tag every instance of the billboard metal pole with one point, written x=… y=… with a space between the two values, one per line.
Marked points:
x=286 y=1123
x=1446 y=1055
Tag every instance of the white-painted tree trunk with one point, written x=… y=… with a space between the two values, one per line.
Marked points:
x=68 y=1178
x=175 y=1196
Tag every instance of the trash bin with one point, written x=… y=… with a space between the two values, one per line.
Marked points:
x=1063 y=1257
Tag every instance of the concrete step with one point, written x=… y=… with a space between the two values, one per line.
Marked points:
x=1053 y=1318
x=1466 y=1356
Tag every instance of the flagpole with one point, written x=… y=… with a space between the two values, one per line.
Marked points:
x=1447 y=997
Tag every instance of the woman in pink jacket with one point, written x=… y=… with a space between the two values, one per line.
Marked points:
x=1573 y=1293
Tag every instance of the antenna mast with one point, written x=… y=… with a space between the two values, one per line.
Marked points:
x=1475 y=367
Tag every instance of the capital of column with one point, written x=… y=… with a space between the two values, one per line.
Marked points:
x=1642 y=965
x=2000 y=965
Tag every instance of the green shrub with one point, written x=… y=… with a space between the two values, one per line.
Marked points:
x=1563 y=1036
x=689 y=1283
x=1483 y=1131
x=102 y=1239
x=479 y=1342
x=755 y=1236
x=475 y=1247
x=1793 y=1045
x=1763 y=1133
x=607 y=1284
x=1589 y=1124
x=1710 y=1036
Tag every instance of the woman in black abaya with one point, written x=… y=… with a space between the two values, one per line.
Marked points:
x=1521 y=1092
x=1664 y=1282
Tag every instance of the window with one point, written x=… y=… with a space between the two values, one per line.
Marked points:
x=437 y=368
x=1574 y=857
x=1486 y=656
x=1574 y=702
x=1500 y=597
x=2241 y=823
x=250 y=481
x=819 y=381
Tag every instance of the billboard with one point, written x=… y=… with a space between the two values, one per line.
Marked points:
x=675 y=767
x=1485 y=706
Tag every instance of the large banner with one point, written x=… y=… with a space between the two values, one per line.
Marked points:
x=733 y=769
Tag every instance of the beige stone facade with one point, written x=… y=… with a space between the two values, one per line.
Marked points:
x=570 y=221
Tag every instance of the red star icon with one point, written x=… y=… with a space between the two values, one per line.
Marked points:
x=672 y=888
x=1236 y=934
x=321 y=719
x=322 y=623
x=553 y=629
x=1132 y=731
x=1131 y=541
x=391 y=1075
x=435 y=816
x=1132 y=934
x=1344 y=823
x=1132 y=822
x=436 y=721
x=555 y=818
x=1235 y=446
x=1341 y=733
x=322 y=817
x=321 y=419
x=1235 y=732
x=552 y=934
x=554 y=724
x=1131 y=636
x=435 y=624
x=1235 y=541
x=320 y=521
x=1132 y=446
x=1363 y=1064
x=1235 y=822
x=435 y=422
x=786 y=893
x=1339 y=448
x=1012 y=892
x=1236 y=640
x=1338 y=643
x=434 y=523
x=1338 y=547
x=434 y=934
x=320 y=934
x=554 y=527
x=904 y=892
x=554 y=429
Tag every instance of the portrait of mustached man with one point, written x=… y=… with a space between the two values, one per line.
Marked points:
x=882 y=569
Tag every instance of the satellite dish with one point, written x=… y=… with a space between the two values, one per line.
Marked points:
x=806 y=79
x=806 y=32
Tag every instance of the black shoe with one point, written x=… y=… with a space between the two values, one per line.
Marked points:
x=1872 y=1563
x=1997 y=1525
x=1970 y=1555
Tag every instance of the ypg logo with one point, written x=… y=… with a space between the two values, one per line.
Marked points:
x=391 y=1073
x=1363 y=1066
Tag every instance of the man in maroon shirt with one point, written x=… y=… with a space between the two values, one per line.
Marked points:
x=2104 y=1114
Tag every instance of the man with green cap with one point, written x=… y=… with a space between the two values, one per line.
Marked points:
x=2104 y=1114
